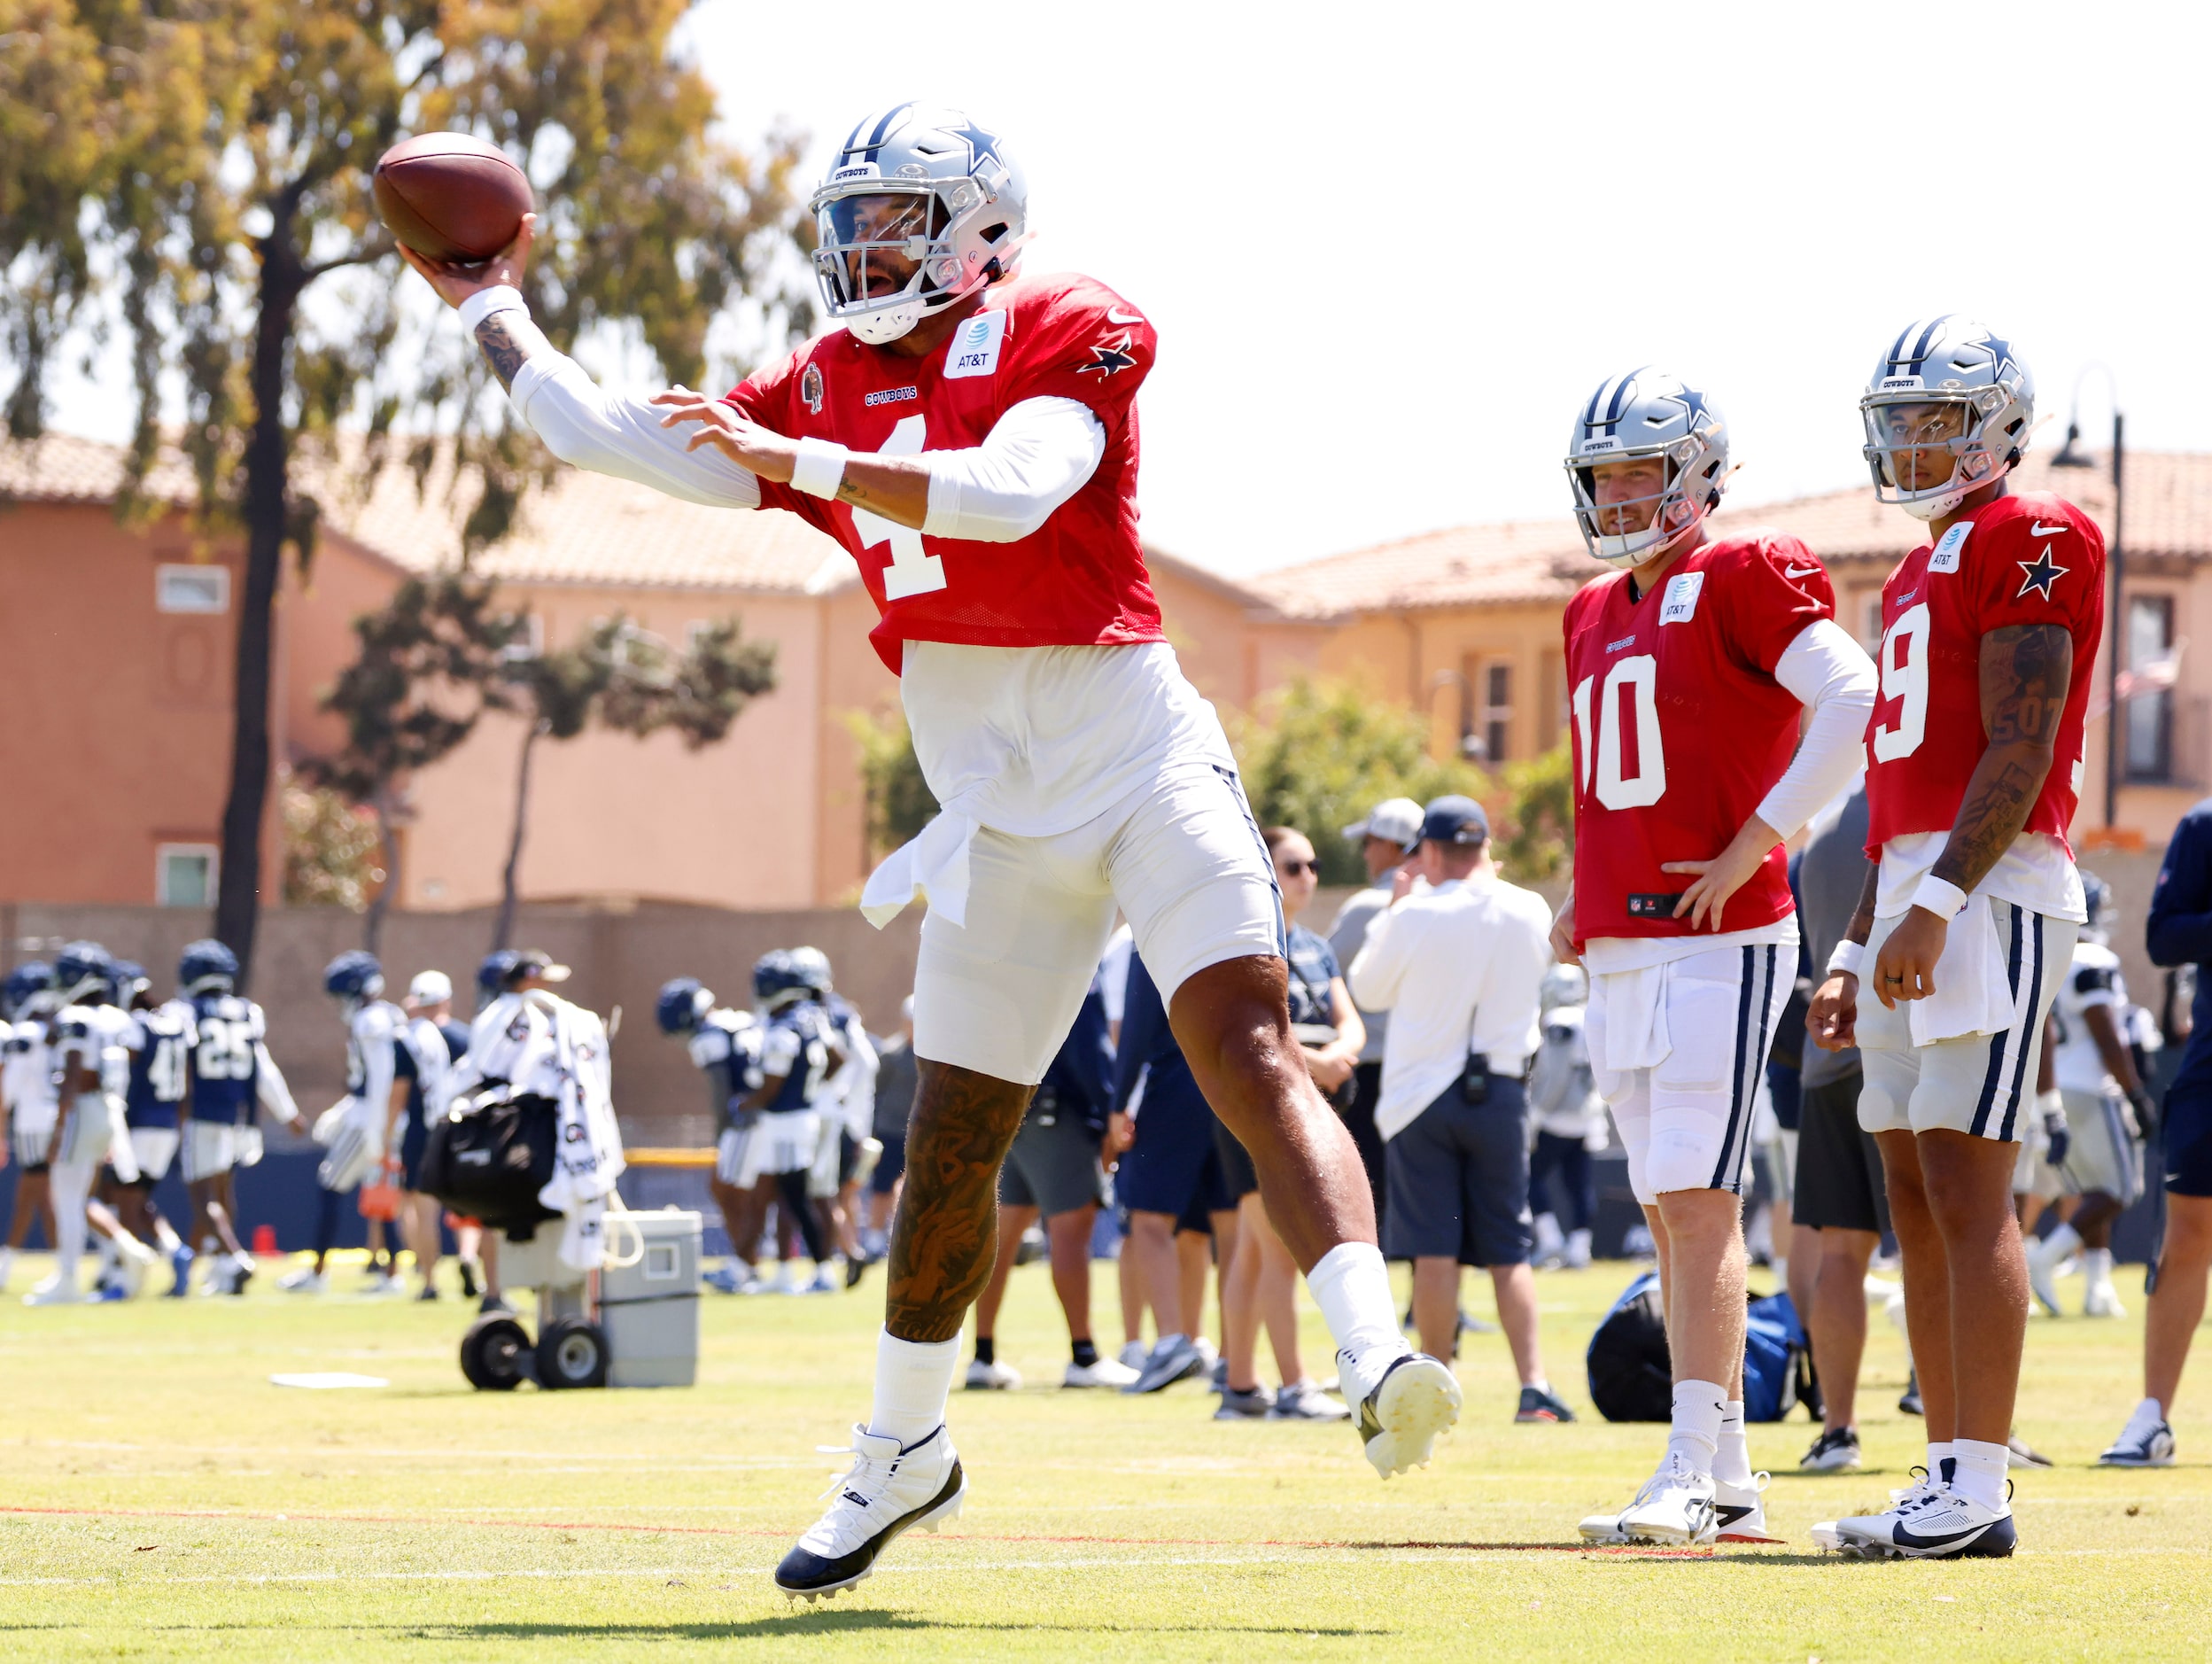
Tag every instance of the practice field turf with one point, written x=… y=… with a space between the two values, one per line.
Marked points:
x=160 y=1498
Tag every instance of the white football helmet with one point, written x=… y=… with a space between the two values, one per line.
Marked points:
x=921 y=208
x=1648 y=413
x=1985 y=403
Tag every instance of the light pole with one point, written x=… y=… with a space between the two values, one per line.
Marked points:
x=2116 y=562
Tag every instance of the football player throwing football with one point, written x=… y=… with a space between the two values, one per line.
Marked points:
x=968 y=431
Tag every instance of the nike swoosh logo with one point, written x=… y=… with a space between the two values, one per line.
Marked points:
x=1799 y=571
x=1115 y=314
x=2040 y=530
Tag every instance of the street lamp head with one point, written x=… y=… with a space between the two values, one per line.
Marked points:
x=2067 y=456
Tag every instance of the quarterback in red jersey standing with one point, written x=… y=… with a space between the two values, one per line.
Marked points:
x=1989 y=635
x=1690 y=671
x=968 y=433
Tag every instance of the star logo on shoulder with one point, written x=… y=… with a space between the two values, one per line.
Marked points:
x=1109 y=357
x=2040 y=574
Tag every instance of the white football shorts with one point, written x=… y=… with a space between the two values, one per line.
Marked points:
x=153 y=1149
x=729 y=1155
x=95 y=1134
x=783 y=1142
x=1180 y=856
x=211 y=1148
x=2101 y=1149
x=1703 y=1023
x=33 y=1139
x=1981 y=1084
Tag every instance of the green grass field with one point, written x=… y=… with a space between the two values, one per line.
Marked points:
x=160 y=1498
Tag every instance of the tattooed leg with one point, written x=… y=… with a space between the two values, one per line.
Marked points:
x=945 y=1235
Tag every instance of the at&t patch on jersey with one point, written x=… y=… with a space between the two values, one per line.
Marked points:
x=974 y=349
x=1679 y=606
x=1946 y=557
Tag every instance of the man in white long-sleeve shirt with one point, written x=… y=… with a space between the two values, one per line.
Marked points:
x=968 y=431
x=1460 y=968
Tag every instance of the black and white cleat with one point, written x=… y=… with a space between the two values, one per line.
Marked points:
x=888 y=1490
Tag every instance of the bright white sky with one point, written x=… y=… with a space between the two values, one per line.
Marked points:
x=1390 y=248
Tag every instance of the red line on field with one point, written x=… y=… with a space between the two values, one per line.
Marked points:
x=743 y=1531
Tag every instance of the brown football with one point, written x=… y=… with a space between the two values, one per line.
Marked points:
x=451 y=196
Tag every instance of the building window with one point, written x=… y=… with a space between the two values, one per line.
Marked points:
x=1497 y=710
x=2147 y=689
x=1870 y=624
x=191 y=589
x=184 y=876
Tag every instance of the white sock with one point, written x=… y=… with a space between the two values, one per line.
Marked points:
x=913 y=1379
x=2060 y=1243
x=1695 y=1435
x=1978 y=1471
x=1937 y=1455
x=1351 y=1285
x=2148 y=1415
x=165 y=1233
x=2097 y=1263
x=1731 y=1458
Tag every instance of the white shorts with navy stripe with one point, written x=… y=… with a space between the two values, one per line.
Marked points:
x=1181 y=856
x=729 y=1156
x=1708 y=1021
x=2102 y=1151
x=1981 y=1084
x=34 y=1139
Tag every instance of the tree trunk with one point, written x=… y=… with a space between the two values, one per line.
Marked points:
x=503 y=928
x=238 y=895
x=388 y=846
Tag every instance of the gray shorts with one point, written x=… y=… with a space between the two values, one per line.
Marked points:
x=1052 y=1167
x=2101 y=1150
x=1459 y=1180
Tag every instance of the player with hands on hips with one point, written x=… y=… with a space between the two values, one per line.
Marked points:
x=968 y=431
x=1971 y=911
x=1691 y=668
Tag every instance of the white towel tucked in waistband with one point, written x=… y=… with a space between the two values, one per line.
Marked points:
x=1974 y=991
x=934 y=866
x=1630 y=994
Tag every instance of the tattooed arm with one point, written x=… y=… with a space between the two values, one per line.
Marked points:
x=2026 y=670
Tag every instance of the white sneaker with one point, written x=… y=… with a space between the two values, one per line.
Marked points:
x=2101 y=1300
x=306 y=1280
x=51 y=1293
x=1303 y=1400
x=1741 y=1513
x=1674 y=1506
x=1398 y=1422
x=993 y=1377
x=1108 y=1372
x=1924 y=1490
x=1132 y=1355
x=887 y=1490
x=1946 y=1526
x=2146 y=1442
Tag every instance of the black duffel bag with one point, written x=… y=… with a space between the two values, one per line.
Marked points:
x=489 y=1163
x=1632 y=1377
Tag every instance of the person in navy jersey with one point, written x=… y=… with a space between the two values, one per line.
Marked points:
x=2178 y=932
x=231 y=1073
x=160 y=1041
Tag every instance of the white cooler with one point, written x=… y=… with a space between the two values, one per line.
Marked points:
x=650 y=1309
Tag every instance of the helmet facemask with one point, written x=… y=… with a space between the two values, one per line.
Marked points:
x=889 y=251
x=1931 y=450
x=1626 y=534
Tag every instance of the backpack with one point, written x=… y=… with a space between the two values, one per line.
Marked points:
x=1632 y=1377
x=1632 y=1374
x=1777 y=1362
x=489 y=1165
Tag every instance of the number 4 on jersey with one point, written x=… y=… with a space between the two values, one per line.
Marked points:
x=1637 y=675
x=911 y=570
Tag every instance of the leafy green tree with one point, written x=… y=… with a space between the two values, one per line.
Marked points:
x=330 y=849
x=899 y=801
x=1321 y=754
x=630 y=681
x=432 y=660
x=204 y=165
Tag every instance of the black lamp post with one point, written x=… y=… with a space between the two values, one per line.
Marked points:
x=2116 y=560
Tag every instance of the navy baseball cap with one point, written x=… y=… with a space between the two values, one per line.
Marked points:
x=1455 y=819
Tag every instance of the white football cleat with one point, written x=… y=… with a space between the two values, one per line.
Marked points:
x=2146 y=1442
x=993 y=1377
x=1398 y=1422
x=1946 y=1527
x=887 y=1490
x=1827 y=1534
x=2101 y=1300
x=306 y=1280
x=51 y=1293
x=1108 y=1372
x=1675 y=1507
x=1739 y=1512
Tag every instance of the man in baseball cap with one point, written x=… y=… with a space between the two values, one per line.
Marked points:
x=1389 y=833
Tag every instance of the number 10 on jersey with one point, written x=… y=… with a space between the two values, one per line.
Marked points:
x=1634 y=680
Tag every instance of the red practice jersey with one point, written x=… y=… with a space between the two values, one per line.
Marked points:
x=1680 y=729
x=1080 y=579
x=2031 y=559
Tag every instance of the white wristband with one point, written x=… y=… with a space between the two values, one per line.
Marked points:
x=820 y=468
x=1846 y=960
x=1940 y=897
x=484 y=302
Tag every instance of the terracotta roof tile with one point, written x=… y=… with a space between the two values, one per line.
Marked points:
x=62 y=468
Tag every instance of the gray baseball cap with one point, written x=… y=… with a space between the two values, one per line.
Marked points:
x=1395 y=819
